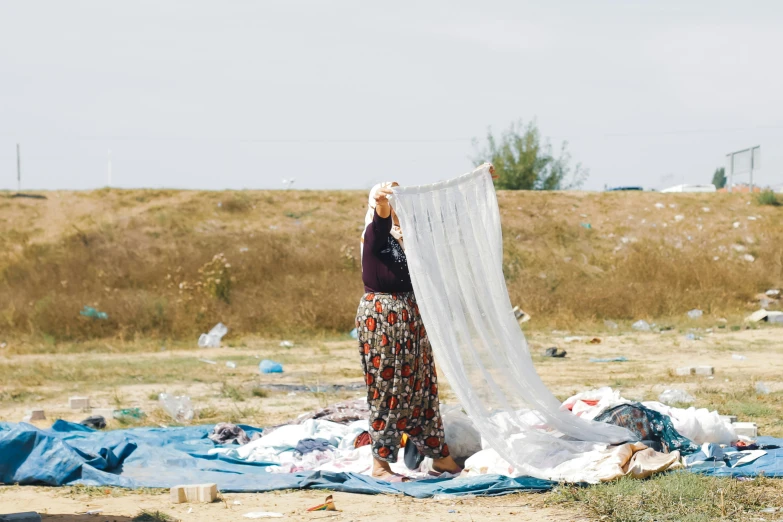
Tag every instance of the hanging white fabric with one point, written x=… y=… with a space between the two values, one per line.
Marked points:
x=454 y=248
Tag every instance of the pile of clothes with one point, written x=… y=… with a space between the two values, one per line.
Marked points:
x=336 y=439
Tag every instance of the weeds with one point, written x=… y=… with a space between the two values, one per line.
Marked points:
x=153 y=516
x=685 y=497
x=767 y=197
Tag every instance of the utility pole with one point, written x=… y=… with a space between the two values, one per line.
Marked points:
x=18 y=169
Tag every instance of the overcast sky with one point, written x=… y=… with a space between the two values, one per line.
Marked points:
x=342 y=94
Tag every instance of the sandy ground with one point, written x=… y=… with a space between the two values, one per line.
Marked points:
x=55 y=504
x=652 y=359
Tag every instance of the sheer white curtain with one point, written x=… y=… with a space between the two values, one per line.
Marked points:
x=454 y=247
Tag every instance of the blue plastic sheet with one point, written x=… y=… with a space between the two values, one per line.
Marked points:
x=769 y=465
x=69 y=453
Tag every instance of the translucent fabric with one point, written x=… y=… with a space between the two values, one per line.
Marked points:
x=454 y=248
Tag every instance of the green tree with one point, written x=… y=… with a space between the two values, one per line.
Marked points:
x=719 y=178
x=523 y=161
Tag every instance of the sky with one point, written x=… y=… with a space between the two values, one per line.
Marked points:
x=342 y=94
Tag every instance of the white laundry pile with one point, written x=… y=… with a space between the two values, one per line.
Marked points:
x=698 y=424
x=279 y=449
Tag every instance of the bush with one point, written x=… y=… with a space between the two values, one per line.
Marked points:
x=768 y=197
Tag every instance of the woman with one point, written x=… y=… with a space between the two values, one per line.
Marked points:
x=402 y=385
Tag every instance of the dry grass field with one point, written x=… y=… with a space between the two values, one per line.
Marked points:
x=290 y=260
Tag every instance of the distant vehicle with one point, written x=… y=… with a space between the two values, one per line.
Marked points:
x=616 y=189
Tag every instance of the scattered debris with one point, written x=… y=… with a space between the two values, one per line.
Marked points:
x=679 y=217
x=676 y=396
x=765 y=315
x=695 y=370
x=736 y=224
x=521 y=316
x=328 y=505
x=553 y=352
x=611 y=324
x=660 y=205
x=762 y=389
x=286 y=344
x=263 y=514
x=212 y=339
x=608 y=359
x=692 y=336
x=588 y=226
x=34 y=415
x=231 y=364
x=749 y=258
x=96 y=422
x=320 y=388
x=695 y=313
x=572 y=339
x=354 y=334
x=79 y=403
x=89 y=311
x=206 y=493
x=594 y=340
x=208 y=361
x=179 y=408
x=3 y=345
x=243 y=249
x=745 y=429
x=738 y=357
x=641 y=326
x=267 y=366
x=704 y=370
x=127 y=413
x=774 y=293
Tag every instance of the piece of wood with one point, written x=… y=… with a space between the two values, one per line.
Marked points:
x=202 y=493
x=79 y=403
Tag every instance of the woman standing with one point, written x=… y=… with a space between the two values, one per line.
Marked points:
x=402 y=384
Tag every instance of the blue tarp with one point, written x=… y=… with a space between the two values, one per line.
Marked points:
x=769 y=465
x=69 y=453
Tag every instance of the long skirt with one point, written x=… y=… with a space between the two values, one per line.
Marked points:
x=402 y=384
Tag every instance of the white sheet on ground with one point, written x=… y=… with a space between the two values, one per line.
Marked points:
x=454 y=248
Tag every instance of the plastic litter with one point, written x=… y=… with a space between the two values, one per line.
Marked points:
x=208 y=361
x=608 y=359
x=695 y=313
x=611 y=324
x=328 y=505
x=231 y=364
x=89 y=311
x=128 y=413
x=521 y=315
x=94 y=421
x=692 y=336
x=676 y=396
x=179 y=408
x=588 y=226
x=267 y=366
x=738 y=357
x=212 y=339
x=553 y=352
x=641 y=326
x=354 y=334
x=761 y=388
x=286 y=344
x=263 y=514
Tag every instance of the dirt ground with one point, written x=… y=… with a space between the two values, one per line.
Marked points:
x=132 y=377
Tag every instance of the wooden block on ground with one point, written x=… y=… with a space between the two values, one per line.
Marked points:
x=36 y=415
x=205 y=493
x=746 y=429
x=704 y=370
x=685 y=370
x=79 y=403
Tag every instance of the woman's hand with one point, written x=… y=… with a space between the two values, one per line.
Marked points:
x=382 y=207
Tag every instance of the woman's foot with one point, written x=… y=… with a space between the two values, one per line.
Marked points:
x=382 y=471
x=446 y=465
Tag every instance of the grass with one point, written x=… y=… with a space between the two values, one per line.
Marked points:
x=144 y=257
x=768 y=197
x=680 y=497
x=153 y=516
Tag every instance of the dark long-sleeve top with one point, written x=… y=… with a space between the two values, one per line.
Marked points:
x=384 y=265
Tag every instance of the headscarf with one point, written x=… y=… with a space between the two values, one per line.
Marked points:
x=396 y=233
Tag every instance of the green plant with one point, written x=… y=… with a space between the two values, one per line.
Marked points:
x=767 y=197
x=216 y=278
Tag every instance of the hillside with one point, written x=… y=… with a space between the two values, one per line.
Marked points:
x=291 y=260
